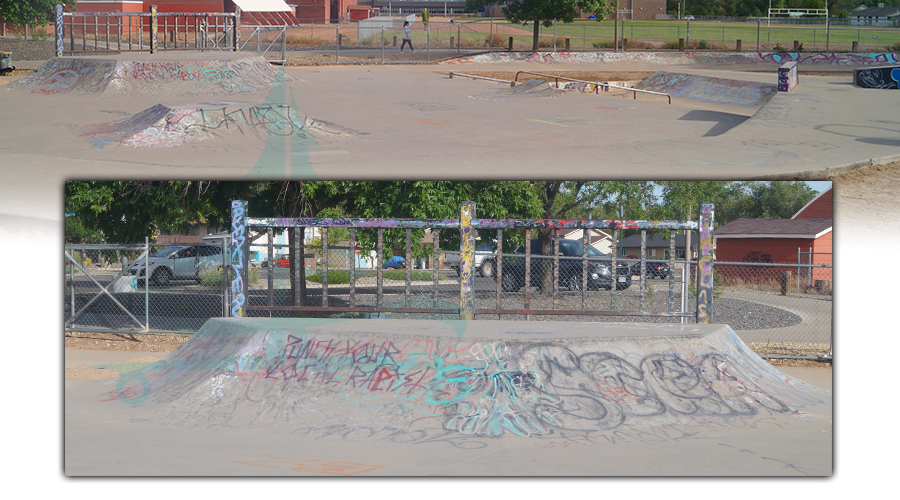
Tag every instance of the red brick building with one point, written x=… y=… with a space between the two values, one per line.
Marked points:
x=789 y=241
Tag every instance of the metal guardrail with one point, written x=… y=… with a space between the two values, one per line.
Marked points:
x=140 y=31
x=466 y=224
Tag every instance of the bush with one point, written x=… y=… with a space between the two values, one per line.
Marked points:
x=779 y=48
x=673 y=46
x=603 y=44
x=295 y=40
x=494 y=41
x=213 y=277
x=415 y=275
x=545 y=42
x=703 y=45
x=893 y=48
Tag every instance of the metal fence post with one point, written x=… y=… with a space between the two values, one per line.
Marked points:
x=351 y=258
x=236 y=27
x=146 y=283
x=705 y=263
x=239 y=250
x=299 y=266
x=685 y=273
x=154 y=26
x=466 y=261
x=59 y=30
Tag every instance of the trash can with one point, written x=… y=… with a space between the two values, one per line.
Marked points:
x=6 y=66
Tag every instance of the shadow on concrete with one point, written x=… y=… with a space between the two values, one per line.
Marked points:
x=723 y=121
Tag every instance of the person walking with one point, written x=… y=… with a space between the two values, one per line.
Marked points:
x=407 y=37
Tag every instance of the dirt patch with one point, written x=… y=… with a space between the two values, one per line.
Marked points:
x=151 y=342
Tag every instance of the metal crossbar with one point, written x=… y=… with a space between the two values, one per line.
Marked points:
x=140 y=31
x=467 y=224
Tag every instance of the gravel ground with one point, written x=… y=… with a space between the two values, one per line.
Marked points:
x=739 y=314
x=28 y=50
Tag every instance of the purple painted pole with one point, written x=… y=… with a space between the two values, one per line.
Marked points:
x=466 y=261
x=705 y=263
x=239 y=257
x=59 y=30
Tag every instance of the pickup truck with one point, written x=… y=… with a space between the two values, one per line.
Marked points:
x=485 y=262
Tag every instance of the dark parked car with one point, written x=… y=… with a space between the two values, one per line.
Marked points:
x=654 y=269
x=657 y=270
x=600 y=274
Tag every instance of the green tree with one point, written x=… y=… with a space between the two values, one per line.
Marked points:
x=779 y=200
x=577 y=199
x=546 y=12
x=31 y=12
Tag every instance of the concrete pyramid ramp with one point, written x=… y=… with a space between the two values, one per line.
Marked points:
x=148 y=75
x=163 y=126
x=408 y=380
x=709 y=89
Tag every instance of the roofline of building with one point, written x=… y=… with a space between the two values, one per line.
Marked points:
x=810 y=203
x=773 y=235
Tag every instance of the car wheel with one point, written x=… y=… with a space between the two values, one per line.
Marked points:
x=162 y=276
x=487 y=268
x=574 y=283
x=509 y=285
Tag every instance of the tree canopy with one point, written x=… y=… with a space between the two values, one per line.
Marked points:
x=31 y=12
x=546 y=12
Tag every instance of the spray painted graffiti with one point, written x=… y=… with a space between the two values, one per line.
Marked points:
x=476 y=223
x=59 y=30
x=238 y=257
x=418 y=390
x=681 y=58
x=757 y=256
x=877 y=78
x=162 y=126
x=708 y=88
x=75 y=76
x=788 y=77
x=705 y=264
x=135 y=78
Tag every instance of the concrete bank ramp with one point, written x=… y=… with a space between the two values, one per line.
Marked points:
x=709 y=89
x=406 y=380
x=143 y=75
x=165 y=126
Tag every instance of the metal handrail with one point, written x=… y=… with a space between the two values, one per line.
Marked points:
x=597 y=84
x=476 y=77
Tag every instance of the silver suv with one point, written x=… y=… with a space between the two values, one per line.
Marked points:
x=179 y=263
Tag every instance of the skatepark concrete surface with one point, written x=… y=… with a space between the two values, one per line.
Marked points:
x=235 y=116
x=449 y=398
x=414 y=122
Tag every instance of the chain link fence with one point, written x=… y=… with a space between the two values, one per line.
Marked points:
x=782 y=310
x=107 y=287
x=377 y=39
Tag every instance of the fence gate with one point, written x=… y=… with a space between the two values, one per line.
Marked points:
x=92 y=32
x=573 y=269
x=78 y=263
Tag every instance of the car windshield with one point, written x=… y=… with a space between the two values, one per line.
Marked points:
x=575 y=248
x=165 y=252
